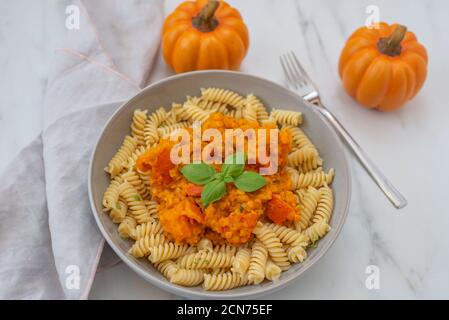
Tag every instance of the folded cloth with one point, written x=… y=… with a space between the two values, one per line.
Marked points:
x=49 y=243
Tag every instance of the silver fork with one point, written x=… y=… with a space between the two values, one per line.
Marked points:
x=300 y=82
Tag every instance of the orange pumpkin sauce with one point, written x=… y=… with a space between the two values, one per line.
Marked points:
x=232 y=218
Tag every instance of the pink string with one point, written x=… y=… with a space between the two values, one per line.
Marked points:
x=99 y=64
x=106 y=53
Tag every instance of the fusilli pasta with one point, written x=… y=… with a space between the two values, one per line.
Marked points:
x=141 y=248
x=136 y=205
x=147 y=229
x=151 y=135
x=325 y=205
x=257 y=264
x=188 y=278
x=127 y=227
x=273 y=245
x=314 y=179
x=240 y=263
x=287 y=117
x=308 y=206
x=132 y=202
x=205 y=259
x=272 y=271
x=118 y=162
x=167 y=251
x=138 y=126
x=167 y=268
x=223 y=96
x=133 y=178
x=317 y=230
x=225 y=281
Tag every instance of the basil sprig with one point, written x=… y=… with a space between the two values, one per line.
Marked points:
x=232 y=171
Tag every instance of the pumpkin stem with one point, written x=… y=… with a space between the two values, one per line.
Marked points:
x=391 y=46
x=205 y=20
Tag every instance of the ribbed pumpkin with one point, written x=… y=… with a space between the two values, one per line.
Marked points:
x=383 y=68
x=204 y=34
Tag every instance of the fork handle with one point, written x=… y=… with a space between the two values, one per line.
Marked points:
x=396 y=198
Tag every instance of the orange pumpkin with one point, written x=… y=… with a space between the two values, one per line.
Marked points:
x=383 y=68
x=202 y=35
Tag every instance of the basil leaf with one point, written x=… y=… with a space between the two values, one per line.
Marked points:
x=213 y=191
x=234 y=165
x=249 y=181
x=219 y=176
x=228 y=179
x=198 y=173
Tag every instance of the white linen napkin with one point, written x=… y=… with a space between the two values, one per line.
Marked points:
x=49 y=243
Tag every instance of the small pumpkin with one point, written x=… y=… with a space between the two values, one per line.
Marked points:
x=383 y=67
x=204 y=34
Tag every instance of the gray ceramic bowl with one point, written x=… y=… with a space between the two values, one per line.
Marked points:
x=175 y=89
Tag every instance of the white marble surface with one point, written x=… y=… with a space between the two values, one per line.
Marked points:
x=409 y=246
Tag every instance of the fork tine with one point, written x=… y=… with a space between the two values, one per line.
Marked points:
x=300 y=79
x=301 y=69
x=287 y=73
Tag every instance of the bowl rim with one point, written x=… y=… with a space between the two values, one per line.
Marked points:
x=186 y=291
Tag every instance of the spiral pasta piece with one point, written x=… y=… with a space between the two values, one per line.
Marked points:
x=235 y=113
x=152 y=208
x=273 y=245
x=300 y=139
x=167 y=251
x=325 y=205
x=287 y=235
x=317 y=230
x=194 y=113
x=111 y=195
x=250 y=110
x=223 y=96
x=240 y=263
x=141 y=248
x=272 y=271
x=205 y=244
x=119 y=160
x=138 y=126
x=127 y=227
x=165 y=131
x=261 y=111
x=308 y=206
x=211 y=106
x=136 y=205
x=218 y=270
x=133 y=178
x=147 y=229
x=167 y=268
x=205 y=259
x=188 y=278
x=151 y=135
x=226 y=249
x=132 y=159
x=311 y=165
x=258 y=261
x=145 y=177
x=225 y=281
x=170 y=119
x=297 y=253
x=306 y=158
x=118 y=213
x=287 y=117
x=313 y=179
